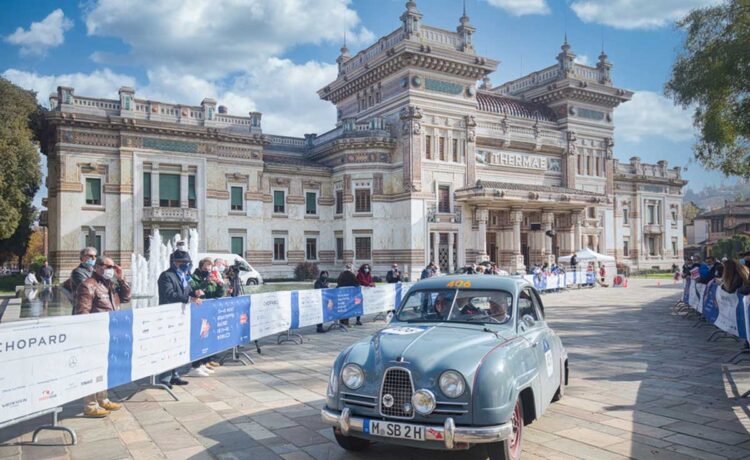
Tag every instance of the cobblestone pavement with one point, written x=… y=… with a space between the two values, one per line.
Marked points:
x=644 y=384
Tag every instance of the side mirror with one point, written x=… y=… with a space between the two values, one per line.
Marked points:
x=528 y=321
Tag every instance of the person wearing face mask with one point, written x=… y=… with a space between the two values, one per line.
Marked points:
x=393 y=275
x=174 y=287
x=347 y=278
x=204 y=280
x=364 y=278
x=83 y=271
x=321 y=283
x=102 y=292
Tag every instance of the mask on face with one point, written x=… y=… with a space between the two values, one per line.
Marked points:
x=367 y=270
x=108 y=274
x=89 y=263
x=743 y=261
x=206 y=272
x=185 y=268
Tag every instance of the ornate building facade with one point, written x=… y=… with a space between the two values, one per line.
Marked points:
x=424 y=163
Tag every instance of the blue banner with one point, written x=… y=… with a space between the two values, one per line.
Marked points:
x=342 y=303
x=119 y=370
x=710 y=306
x=218 y=325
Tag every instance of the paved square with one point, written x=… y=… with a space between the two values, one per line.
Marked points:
x=644 y=384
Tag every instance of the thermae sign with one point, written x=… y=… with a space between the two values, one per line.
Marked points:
x=32 y=342
x=518 y=160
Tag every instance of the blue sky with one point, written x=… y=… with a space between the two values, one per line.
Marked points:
x=271 y=55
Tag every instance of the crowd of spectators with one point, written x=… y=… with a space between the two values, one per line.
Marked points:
x=732 y=274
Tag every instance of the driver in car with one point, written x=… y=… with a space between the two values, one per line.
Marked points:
x=442 y=305
x=499 y=311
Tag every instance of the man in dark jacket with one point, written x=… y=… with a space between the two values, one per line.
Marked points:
x=83 y=271
x=102 y=292
x=393 y=275
x=347 y=278
x=45 y=273
x=174 y=287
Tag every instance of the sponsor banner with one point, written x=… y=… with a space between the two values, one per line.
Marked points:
x=728 y=305
x=711 y=297
x=686 y=291
x=120 y=356
x=309 y=308
x=161 y=339
x=695 y=297
x=48 y=362
x=218 y=325
x=270 y=313
x=379 y=299
x=342 y=303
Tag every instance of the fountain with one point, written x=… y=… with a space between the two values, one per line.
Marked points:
x=145 y=272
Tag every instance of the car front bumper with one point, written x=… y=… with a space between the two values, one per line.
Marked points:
x=448 y=433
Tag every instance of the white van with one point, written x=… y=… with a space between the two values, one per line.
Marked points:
x=248 y=278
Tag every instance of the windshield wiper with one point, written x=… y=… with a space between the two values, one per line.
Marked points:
x=497 y=334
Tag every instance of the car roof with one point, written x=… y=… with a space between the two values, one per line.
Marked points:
x=511 y=284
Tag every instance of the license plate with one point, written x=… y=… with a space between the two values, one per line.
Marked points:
x=395 y=430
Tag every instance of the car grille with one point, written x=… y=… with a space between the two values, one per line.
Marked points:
x=397 y=383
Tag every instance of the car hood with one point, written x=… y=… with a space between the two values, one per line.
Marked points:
x=427 y=349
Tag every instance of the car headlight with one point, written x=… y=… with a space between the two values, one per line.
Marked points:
x=353 y=376
x=452 y=384
x=333 y=384
x=423 y=402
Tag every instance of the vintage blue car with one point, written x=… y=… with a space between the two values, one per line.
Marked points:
x=466 y=360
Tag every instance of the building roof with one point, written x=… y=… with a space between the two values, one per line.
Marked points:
x=731 y=210
x=531 y=188
x=496 y=103
x=291 y=160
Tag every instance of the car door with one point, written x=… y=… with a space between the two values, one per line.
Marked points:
x=532 y=328
x=551 y=346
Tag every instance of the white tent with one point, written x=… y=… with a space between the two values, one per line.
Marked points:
x=587 y=255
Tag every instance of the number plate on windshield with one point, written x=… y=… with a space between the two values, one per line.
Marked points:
x=395 y=430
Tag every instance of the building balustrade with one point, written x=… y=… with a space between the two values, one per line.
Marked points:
x=154 y=215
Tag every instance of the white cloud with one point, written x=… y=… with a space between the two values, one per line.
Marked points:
x=582 y=59
x=522 y=7
x=100 y=83
x=651 y=115
x=636 y=14
x=218 y=38
x=42 y=36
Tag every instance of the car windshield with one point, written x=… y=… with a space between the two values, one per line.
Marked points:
x=457 y=305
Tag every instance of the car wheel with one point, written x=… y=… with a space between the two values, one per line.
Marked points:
x=350 y=442
x=251 y=282
x=561 y=389
x=511 y=448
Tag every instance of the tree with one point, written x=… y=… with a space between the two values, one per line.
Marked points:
x=35 y=247
x=20 y=174
x=689 y=211
x=712 y=74
x=730 y=247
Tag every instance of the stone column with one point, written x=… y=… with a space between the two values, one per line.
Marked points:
x=154 y=188
x=596 y=244
x=451 y=240
x=576 y=216
x=435 y=244
x=516 y=261
x=184 y=189
x=548 y=220
x=471 y=163
x=482 y=217
x=411 y=140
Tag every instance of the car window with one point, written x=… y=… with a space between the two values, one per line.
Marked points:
x=526 y=305
x=539 y=306
x=457 y=305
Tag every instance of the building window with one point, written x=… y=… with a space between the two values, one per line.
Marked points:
x=580 y=164
x=651 y=246
x=311 y=249
x=236 y=197
x=651 y=214
x=96 y=244
x=362 y=200
x=625 y=216
x=598 y=166
x=311 y=205
x=339 y=248
x=428 y=147
x=339 y=201
x=674 y=215
x=441 y=148
x=455 y=150
x=94 y=191
x=147 y=190
x=362 y=248
x=238 y=246
x=191 y=192
x=674 y=246
x=278 y=202
x=444 y=199
x=588 y=165
x=626 y=247
x=717 y=225
x=591 y=212
x=279 y=248
x=169 y=190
